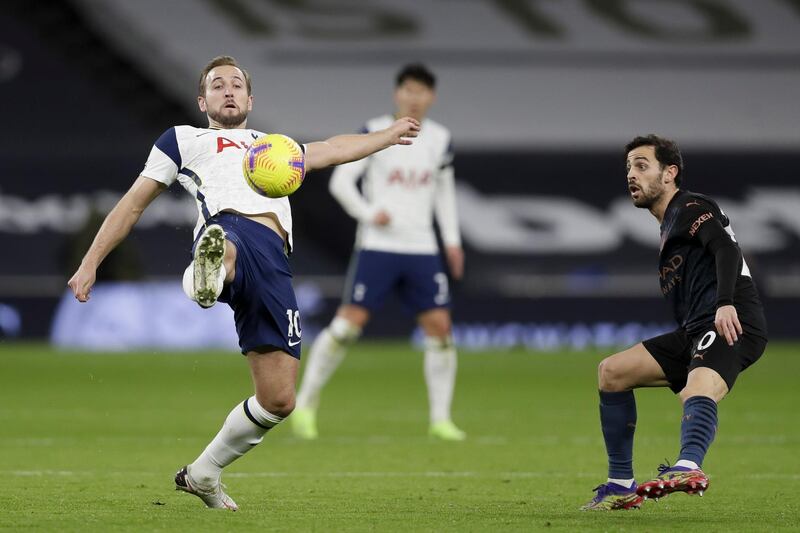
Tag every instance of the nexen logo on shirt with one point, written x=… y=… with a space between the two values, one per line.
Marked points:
x=699 y=222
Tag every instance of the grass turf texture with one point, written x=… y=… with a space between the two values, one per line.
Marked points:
x=91 y=442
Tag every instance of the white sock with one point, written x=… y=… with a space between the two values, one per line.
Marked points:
x=188 y=281
x=687 y=464
x=440 y=376
x=239 y=434
x=326 y=354
x=623 y=482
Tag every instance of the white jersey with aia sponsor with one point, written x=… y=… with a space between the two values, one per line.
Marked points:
x=410 y=183
x=208 y=164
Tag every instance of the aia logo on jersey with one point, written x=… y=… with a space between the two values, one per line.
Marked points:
x=223 y=143
x=411 y=179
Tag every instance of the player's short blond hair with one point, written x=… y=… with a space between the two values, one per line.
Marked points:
x=218 y=62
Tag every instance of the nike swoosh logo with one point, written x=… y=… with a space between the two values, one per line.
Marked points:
x=295 y=343
x=201 y=134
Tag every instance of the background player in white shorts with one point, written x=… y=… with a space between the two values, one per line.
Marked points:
x=232 y=220
x=396 y=250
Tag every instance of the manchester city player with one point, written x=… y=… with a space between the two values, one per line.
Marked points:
x=240 y=253
x=396 y=251
x=722 y=330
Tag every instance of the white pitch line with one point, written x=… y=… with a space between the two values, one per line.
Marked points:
x=349 y=474
x=398 y=474
x=460 y=474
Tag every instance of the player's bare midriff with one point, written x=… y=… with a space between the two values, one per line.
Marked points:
x=269 y=220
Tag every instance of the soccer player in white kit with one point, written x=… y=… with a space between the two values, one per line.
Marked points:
x=240 y=253
x=396 y=250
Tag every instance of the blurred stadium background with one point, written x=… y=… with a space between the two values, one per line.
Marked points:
x=540 y=95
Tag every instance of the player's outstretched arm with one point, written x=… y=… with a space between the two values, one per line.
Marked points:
x=345 y=148
x=115 y=228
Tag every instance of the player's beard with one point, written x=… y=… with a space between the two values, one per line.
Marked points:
x=650 y=196
x=227 y=120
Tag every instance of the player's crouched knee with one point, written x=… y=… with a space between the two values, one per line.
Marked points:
x=610 y=377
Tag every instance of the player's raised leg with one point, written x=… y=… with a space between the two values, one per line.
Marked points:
x=618 y=375
x=212 y=266
x=440 y=372
x=274 y=374
x=326 y=354
x=704 y=389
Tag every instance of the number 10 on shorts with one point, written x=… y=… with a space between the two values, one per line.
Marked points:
x=294 y=322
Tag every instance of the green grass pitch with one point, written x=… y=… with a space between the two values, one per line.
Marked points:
x=90 y=442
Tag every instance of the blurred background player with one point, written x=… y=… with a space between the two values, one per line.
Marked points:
x=240 y=255
x=722 y=330
x=396 y=250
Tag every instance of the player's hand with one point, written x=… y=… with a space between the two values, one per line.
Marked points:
x=727 y=324
x=455 y=260
x=381 y=218
x=403 y=130
x=81 y=283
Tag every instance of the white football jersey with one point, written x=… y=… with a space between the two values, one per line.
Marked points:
x=410 y=183
x=208 y=164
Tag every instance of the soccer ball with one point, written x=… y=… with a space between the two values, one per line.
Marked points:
x=274 y=165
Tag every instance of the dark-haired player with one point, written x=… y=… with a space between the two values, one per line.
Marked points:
x=396 y=251
x=722 y=330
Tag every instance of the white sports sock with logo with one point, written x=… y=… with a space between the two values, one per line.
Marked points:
x=440 y=376
x=243 y=429
x=326 y=354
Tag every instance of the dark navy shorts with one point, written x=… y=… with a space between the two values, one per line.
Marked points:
x=679 y=353
x=261 y=295
x=419 y=279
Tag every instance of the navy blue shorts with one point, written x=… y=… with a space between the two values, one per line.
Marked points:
x=261 y=295
x=420 y=280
